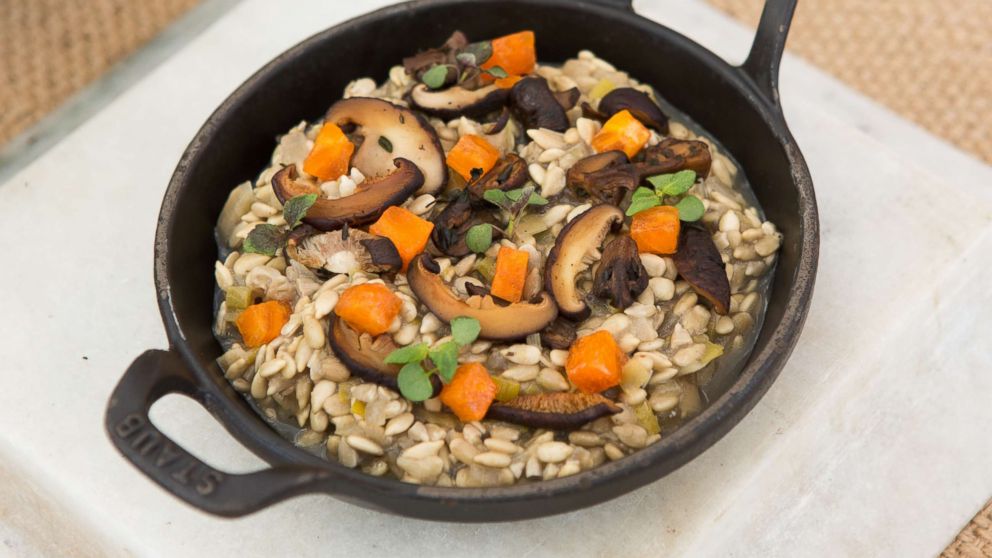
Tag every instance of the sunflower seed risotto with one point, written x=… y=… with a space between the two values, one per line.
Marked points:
x=486 y=271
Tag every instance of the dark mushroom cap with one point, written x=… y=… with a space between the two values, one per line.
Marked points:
x=555 y=411
x=567 y=258
x=509 y=173
x=560 y=334
x=502 y=323
x=453 y=222
x=673 y=155
x=640 y=105
x=390 y=131
x=458 y=101
x=364 y=356
x=606 y=176
x=568 y=98
x=370 y=199
x=419 y=63
x=621 y=276
x=698 y=261
x=536 y=107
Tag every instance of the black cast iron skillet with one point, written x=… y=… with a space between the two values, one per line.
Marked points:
x=738 y=105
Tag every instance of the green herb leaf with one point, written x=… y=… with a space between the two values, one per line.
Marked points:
x=673 y=184
x=264 y=239
x=296 y=208
x=414 y=383
x=536 y=199
x=643 y=198
x=408 y=354
x=445 y=358
x=475 y=54
x=495 y=196
x=435 y=77
x=479 y=238
x=465 y=330
x=497 y=72
x=386 y=144
x=690 y=209
x=515 y=195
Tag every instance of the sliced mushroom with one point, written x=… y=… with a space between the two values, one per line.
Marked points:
x=454 y=221
x=502 y=323
x=536 y=107
x=370 y=199
x=567 y=258
x=500 y=123
x=345 y=251
x=364 y=356
x=672 y=155
x=605 y=176
x=555 y=411
x=621 y=276
x=559 y=335
x=458 y=101
x=389 y=131
x=698 y=261
x=640 y=105
x=509 y=173
x=568 y=98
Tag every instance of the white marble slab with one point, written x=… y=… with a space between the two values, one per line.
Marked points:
x=872 y=442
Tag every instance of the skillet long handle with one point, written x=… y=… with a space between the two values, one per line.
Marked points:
x=153 y=375
x=762 y=64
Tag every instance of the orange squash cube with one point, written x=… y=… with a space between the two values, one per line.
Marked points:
x=472 y=152
x=368 y=308
x=470 y=392
x=261 y=323
x=408 y=232
x=622 y=132
x=595 y=362
x=656 y=230
x=330 y=157
x=510 y=275
x=515 y=53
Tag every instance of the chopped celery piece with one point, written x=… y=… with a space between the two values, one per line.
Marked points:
x=712 y=351
x=358 y=408
x=238 y=297
x=486 y=268
x=507 y=389
x=647 y=419
x=600 y=90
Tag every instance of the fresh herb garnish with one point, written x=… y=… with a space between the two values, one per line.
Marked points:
x=296 y=208
x=513 y=202
x=436 y=77
x=414 y=380
x=475 y=54
x=669 y=186
x=264 y=239
x=497 y=72
x=386 y=144
x=479 y=238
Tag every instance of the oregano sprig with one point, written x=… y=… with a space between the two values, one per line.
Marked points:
x=514 y=202
x=669 y=186
x=419 y=361
x=266 y=238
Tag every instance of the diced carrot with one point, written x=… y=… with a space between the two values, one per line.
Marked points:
x=656 y=229
x=470 y=392
x=368 y=308
x=514 y=53
x=472 y=152
x=261 y=323
x=511 y=273
x=595 y=362
x=408 y=232
x=507 y=82
x=331 y=154
x=624 y=132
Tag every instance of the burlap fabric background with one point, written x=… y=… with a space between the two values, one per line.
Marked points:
x=928 y=60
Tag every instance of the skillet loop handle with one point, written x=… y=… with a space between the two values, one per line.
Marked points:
x=150 y=377
x=763 y=61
